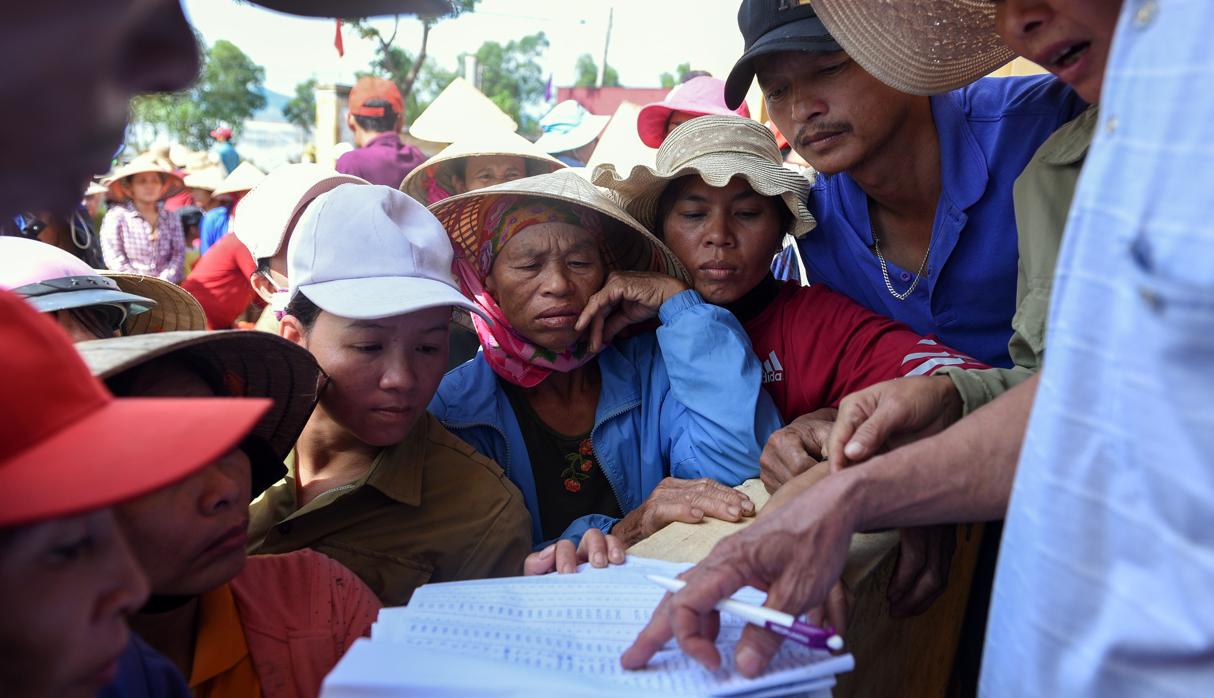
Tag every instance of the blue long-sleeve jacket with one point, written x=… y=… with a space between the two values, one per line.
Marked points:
x=684 y=401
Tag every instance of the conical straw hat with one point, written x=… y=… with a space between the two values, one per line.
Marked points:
x=460 y=109
x=208 y=178
x=175 y=308
x=628 y=245
x=147 y=162
x=438 y=170
x=243 y=178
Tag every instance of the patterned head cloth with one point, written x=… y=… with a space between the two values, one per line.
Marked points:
x=510 y=215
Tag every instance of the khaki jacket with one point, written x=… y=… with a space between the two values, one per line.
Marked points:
x=431 y=509
x=1042 y=196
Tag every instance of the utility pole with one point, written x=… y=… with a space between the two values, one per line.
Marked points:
x=606 y=45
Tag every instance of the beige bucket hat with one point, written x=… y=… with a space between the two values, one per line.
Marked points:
x=175 y=308
x=458 y=110
x=147 y=162
x=628 y=245
x=250 y=364
x=717 y=148
x=439 y=170
x=243 y=178
x=923 y=47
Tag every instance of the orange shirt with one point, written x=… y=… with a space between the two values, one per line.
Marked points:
x=223 y=667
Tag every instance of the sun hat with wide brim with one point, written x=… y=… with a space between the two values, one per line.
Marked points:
x=440 y=169
x=146 y=162
x=627 y=244
x=460 y=109
x=68 y=446
x=243 y=178
x=569 y=126
x=52 y=279
x=250 y=364
x=175 y=308
x=924 y=47
x=717 y=149
x=699 y=96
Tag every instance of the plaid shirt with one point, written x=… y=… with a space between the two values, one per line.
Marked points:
x=129 y=243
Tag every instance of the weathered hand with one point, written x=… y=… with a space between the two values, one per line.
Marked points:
x=889 y=414
x=597 y=548
x=682 y=500
x=627 y=298
x=796 y=554
x=796 y=448
x=924 y=556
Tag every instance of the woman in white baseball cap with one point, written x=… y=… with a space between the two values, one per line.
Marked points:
x=375 y=481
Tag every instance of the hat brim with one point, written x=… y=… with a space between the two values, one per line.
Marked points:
x=374 y=298
x=251 y=364
x=358 y=8
x=805 y=34
x=132 y=446
x=67 y=300
x=175 y=308
x=441 y=170
x=922 y=48
x=642 y=189
x=591 y=128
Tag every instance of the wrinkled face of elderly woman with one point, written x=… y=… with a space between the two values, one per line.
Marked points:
x=542 y=279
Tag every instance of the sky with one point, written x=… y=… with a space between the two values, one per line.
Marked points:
x=648 y=37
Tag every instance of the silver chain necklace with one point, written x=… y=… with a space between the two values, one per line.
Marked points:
x=885 y=270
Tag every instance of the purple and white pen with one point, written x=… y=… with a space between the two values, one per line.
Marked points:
x=778 y=622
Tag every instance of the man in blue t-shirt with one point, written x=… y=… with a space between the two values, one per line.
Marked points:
x=914 y=194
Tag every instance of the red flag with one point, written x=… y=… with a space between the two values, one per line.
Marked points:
x=341 y=49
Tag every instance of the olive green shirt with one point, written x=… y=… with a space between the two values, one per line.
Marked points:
x=431 y=509
x=1042 y=197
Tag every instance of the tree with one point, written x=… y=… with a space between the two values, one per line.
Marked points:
x=588 y=73
x=301 y=110
x=681 y=73
x=510 y=76
x=394 y=62
x=229 y=90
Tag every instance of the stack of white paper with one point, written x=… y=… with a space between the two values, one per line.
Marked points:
x=554 y=634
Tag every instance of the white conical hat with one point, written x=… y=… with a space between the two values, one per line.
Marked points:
x=460 y=109
x=243 y=178
x=439 y=169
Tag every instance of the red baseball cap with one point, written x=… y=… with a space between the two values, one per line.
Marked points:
x=221 y=132
x=68 y=446
x=368 y=88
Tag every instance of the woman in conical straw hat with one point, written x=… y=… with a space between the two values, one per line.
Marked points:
x=476 y=162
x=137 y=234
x=597 y=431
x=721 y=199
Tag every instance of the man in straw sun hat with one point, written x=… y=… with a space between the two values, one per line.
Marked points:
x=600 y=433
x=226 y=619
x=137 y=234
x=915 y=217
x=68 y=578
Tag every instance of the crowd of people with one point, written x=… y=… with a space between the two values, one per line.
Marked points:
x=243 y=411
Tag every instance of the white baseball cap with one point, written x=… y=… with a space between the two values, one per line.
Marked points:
x=367 y=252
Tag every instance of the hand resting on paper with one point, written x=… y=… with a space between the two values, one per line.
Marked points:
x=562 y=557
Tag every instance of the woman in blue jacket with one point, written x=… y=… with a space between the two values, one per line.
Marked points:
x=621 y=434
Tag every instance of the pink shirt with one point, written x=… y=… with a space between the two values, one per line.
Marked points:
x=300 y=611
x=129 y=245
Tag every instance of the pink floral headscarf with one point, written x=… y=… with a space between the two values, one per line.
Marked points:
x=512 y=356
